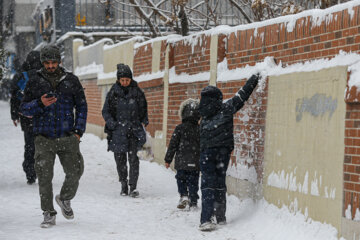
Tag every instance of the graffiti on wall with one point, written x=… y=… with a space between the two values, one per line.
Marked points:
x=317 y=105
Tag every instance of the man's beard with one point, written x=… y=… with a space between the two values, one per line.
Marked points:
x=51 y=70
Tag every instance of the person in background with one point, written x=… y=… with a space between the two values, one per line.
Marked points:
x=19 y=81
x=125 y=114
x=216 y=145
x=185 y=146
x=55 y=100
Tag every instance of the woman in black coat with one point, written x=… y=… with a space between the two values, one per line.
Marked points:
x=125 y=114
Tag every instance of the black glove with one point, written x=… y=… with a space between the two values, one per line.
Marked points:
x=249 y=86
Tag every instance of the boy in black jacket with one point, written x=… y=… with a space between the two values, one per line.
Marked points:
x=216 y=144
x=185 y=145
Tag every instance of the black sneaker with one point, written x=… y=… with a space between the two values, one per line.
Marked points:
x=193 y=205
x=134 y=193
x=65 y=207
x=48 y=220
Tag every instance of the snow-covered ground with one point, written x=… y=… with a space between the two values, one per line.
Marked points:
x=101 y=213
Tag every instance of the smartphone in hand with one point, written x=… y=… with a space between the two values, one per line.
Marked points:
x=50 y=94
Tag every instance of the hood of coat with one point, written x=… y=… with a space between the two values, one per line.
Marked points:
x=189 y=109
x=210 y=102
x=32 y=61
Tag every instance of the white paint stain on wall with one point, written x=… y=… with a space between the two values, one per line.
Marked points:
x=314 y=186
x=348 y=212
x=289 y=181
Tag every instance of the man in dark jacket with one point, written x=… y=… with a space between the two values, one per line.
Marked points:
x=29 y=68
x=125 y=114
x=216 y=144
x=50 y=99
x=185 y=146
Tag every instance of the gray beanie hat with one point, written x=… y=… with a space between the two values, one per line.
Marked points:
x=50 y=53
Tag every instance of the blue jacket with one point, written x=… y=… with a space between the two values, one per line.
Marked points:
x=58 y=119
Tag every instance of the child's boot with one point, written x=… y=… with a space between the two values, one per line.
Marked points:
x=183 y=202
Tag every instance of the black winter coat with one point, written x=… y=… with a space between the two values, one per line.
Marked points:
x=16 y=97
x=185 y=145
x=124 y=111
x=18 y=83
x=217 y=126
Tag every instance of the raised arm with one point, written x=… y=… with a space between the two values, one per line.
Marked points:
x=238 y=101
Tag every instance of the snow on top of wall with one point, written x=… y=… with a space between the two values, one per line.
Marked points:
x=158 y=39
x=92 y=68
x=187 y=78
x=136 y=39
x=78 y=40
x=69 y=34
x=354 y=79
x=269 y=68
x=102 y=75
x=149 y=76
x=101 y=41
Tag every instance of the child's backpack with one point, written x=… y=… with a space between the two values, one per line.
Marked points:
x=22 y=84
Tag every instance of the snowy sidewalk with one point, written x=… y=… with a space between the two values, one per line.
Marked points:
x=101 y=213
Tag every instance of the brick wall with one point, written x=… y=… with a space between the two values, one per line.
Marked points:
x=93 y=98
x=305 y=42
x=192 y=56
x=249 y=126
x=154 y=92
x=179 y=92
x=352 y=158
x=143 y=59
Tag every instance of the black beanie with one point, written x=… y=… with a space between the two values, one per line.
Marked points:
x=32 y=61
x=123 y=71
x=211 y=92
x=50 y=53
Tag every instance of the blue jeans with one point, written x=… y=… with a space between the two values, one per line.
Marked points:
x=188 y=184
x=213 y=165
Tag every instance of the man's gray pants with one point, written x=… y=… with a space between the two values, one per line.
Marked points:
x=68 y=151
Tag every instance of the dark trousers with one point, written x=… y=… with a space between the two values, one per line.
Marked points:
x=213 y=164
x=68 y=151
x=29 y=161
x=188 y=184
x=121 y=166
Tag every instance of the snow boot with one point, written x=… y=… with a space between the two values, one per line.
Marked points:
x=48 y=220
x=183 y=202
x=65 y=206
x=207 y=227
x=193 y=206
x=134 y=193
x=31 y=181
x=124 y=189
